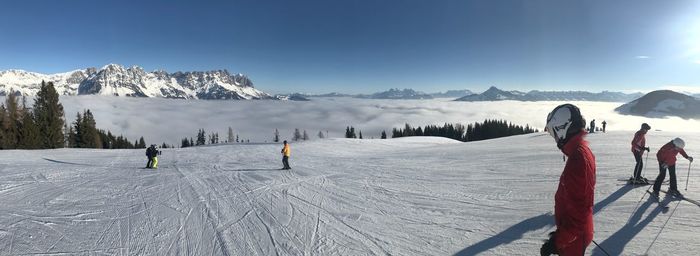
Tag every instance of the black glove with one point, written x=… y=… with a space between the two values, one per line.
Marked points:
x=549 y=247
x=647 y=149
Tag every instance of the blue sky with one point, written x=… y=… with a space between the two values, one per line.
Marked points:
x=367 y=46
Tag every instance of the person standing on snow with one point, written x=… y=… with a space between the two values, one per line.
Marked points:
x=156 y=152
x=286 y=152
x=149 y=154
x=592 y=130
x=573 y=201
x=667 y=160
x=638 y=147
x=604 y=124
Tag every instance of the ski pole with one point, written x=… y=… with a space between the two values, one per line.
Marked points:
x=645 y=164
x=601 y=248
x=687 y=178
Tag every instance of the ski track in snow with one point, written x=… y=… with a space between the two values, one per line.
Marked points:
x=410 y=196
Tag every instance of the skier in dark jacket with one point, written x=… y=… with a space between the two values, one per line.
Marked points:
x=638 y=147
x=604 y=124
x=149 y=154
x=667 y=160
x=592 y=130
x=573 y=201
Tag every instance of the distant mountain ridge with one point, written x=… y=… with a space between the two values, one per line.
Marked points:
x=452 y=94
x=398 y=94
x=393 y=94
x=663 y=103
x=114 y=79
x=495 y=94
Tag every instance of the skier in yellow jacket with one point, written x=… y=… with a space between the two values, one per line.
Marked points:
x=286 y=152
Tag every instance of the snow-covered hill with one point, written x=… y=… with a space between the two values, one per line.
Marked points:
x=663 y=103
x=409 y=196
x=117 y=80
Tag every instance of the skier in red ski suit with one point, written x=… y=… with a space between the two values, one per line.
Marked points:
x=573 y=202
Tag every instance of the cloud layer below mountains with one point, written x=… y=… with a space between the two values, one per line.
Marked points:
x=170 y=120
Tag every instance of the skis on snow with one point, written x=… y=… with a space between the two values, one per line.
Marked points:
x=657 y=199
x=682 y=198
x=631 y=181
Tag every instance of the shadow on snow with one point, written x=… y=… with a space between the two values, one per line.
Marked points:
x=63 y=162
x=518 y=231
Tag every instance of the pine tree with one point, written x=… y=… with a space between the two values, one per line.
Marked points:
x=305 y=136
x=142 y=143
x=201 y=137
x=185 y=143
x=277 y=136
x=2 y=131
x=191 y=142
x=29 y=133
x=383 y=134
x=48 y=113
x=360 y=134
x=320 y=135
x=90 y=136
x=230 y=135
x=297 y=134
x=78 y=131
x=11 y=122
x=352 y=133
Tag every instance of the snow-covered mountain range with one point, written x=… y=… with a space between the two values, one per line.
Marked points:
x=398 y=94
x=452 y=94
x=663 y=103
x=292 y=97
x=114 y=79
x=495 y=94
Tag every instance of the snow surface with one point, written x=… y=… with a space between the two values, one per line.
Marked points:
x=409 y=196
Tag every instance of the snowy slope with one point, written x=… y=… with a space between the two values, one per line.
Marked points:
x=410 y=196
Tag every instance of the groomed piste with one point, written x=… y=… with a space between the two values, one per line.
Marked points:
x=409 y=196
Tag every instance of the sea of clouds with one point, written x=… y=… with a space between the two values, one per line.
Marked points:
x=169 y=120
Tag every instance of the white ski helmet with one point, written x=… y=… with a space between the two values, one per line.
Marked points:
x=679 y=143
x=565 y=120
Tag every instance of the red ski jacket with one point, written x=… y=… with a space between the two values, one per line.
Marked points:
x=573 y=202
x=667 y=154
x=639 y=141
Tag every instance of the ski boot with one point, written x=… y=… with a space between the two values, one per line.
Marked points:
x=675 y=193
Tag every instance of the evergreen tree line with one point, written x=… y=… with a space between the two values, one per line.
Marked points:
x=350 y=133
x=211 y=138
x=42 y=126
x=38 y=127
x=489 y=129
x=84 y=134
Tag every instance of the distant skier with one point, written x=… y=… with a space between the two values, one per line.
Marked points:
x=286 y=152
x=638 y=147
x=156 y=152
x=667 y=160
x=592 y=130
x=149 y=155
x=604 y=124
x=573 y=201
x=152 y=153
